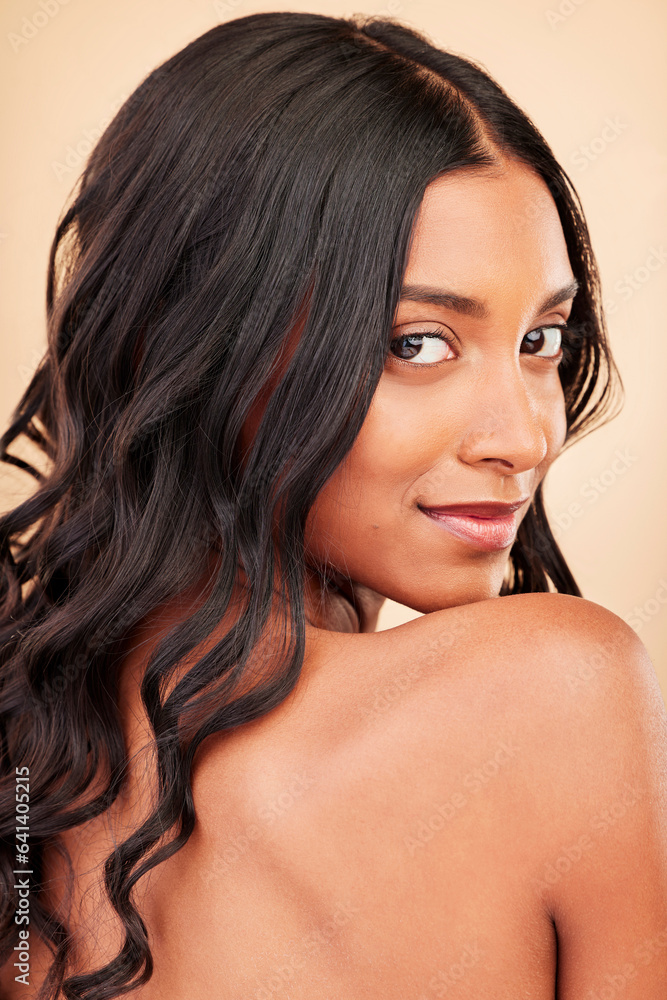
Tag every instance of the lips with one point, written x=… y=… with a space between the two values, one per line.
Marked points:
x=488 y=525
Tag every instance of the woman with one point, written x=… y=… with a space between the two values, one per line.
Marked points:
x=321 y=315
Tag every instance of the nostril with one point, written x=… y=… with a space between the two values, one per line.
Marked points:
x=500 y=461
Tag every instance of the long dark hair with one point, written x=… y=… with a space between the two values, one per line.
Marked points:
x=279 y=158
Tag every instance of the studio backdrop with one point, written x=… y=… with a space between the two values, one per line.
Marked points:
x=591 y=74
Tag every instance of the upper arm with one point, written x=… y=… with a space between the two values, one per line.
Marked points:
x=604 y=870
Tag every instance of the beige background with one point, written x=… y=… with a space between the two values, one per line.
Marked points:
x=591 y=74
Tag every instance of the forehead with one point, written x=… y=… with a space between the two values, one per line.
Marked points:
x=488 y=229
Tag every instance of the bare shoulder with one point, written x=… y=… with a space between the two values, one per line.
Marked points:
x=563 y=677
x=567 y=675
x=546 y=615
x=569 y=641
x=572 y=687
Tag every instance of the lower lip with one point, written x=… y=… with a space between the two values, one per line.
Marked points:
x=486 y=533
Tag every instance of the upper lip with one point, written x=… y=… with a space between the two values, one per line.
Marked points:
x=480 y=508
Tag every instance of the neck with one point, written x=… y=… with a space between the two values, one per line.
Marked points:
x=333 y=602
x=339 y=604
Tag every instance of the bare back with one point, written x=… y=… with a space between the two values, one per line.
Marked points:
x=385 y=832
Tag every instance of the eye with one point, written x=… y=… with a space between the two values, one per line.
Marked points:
x=545 y=342
x=422 y=348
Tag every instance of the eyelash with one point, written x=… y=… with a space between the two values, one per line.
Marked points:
x=566 y=347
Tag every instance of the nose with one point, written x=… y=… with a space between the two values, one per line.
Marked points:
x=506 y=425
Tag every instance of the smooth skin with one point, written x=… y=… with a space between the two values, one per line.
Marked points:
x=473 y=803
x=476 y=420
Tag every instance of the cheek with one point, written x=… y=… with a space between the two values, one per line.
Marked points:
x=368 y=490
x=389 y=450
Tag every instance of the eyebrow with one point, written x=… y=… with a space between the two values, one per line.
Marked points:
x=474 y=307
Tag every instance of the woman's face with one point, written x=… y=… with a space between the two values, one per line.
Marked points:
x=469 y=409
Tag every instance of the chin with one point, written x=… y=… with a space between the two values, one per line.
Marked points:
x=454 y=601
x=453 y=593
